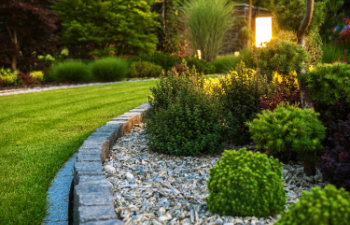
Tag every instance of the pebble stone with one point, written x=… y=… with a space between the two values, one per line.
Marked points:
x=152 y=188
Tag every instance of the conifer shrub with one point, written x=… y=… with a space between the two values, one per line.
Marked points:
x=70 y=71
x=183 y=120
x=145 y=69
x=328 y=84
x=319 y=207
x=201 y=65
x=246 y=184
x=109 y=69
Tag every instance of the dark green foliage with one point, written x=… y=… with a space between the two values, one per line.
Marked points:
x=328 y=84
x=183 y=120
x=280 y=56
x=164 y=60
x=246 y=184
x=70 y=71
x=288 y=128
x=334 y=52
x=335 y=164
x=319 y=207
x=145 y=69
x=109 y=27
x=240 y=98
x=109 y=69
x=289 y=14
x=226 y=63
x=334 y=18
x=201 y=65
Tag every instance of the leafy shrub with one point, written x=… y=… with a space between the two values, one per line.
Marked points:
x=284 y=90
x=38 y=75
x=164 y=60
x=319 y=207
x=109 y=69
x=240 y=98
x=70 y=71
x=7 y=76
x=281 y=57
x=246 y=184
x=201 y=65
x=288 y=128
x=26 y=79
x=328 y=84
x=145 y=69
x=335 y=164
x=226 y=63
x=183 y=120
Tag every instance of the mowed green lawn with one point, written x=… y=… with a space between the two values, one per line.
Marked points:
x=40 y=131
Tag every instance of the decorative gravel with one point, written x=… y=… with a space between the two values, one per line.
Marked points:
x=152 y=188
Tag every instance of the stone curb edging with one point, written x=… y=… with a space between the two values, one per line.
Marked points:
x=92 y=199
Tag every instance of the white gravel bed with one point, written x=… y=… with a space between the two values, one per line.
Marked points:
x=151 y=188
x=54 y=87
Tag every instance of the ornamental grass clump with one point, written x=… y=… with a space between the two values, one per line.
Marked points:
x=319 y=207
x=246 y=184
x=289 y=128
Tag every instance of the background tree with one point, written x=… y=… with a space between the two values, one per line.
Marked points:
x=107 y=27
x=26 y=27
x=334 y=15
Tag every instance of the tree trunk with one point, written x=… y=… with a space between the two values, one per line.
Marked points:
x=304 y=25
x=14 y=39
x=249 y=21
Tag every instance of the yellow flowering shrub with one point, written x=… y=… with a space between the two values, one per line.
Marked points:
x=38 y=75
x=291 y=77
x=7 y=76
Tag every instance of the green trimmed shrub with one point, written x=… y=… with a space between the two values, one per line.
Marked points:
x=7 y=76
x=226 y=63
x=246 y=184
x=183 y=120
x=240 y=95
x=70 y=71
x=328 y=84
x=109 y=69
x=287 y=128
x=319 y=207
x=280 y=56
x=145 y=69
x=164 y=60
x=201 y=65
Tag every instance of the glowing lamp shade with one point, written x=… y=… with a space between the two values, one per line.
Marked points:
x=263 y=31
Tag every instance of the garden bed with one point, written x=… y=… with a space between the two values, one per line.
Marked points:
x=152 y=188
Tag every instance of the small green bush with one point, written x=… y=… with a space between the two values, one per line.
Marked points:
x=328 y=84
x=226 y=63
x=164 y=60
x=70 y=71
x=240 y=95
x=246 y=184
x=287 y=128
x=183 y=120
x=109 y=69
x=201 y=65
x=280 y=56
x=145 y=69
x=319 y=207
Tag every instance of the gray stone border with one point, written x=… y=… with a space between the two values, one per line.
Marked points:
x=92 y=198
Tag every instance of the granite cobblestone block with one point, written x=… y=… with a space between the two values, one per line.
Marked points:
x=93 y=200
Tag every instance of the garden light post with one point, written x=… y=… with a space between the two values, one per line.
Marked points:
x=263 y=31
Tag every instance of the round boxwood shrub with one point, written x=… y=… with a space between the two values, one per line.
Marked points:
x=319 y=207
x=109 y=69
x=145 y=69
x=246 y=184
x=70 y=71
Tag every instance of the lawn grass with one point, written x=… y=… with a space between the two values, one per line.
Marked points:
x=40 y=131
